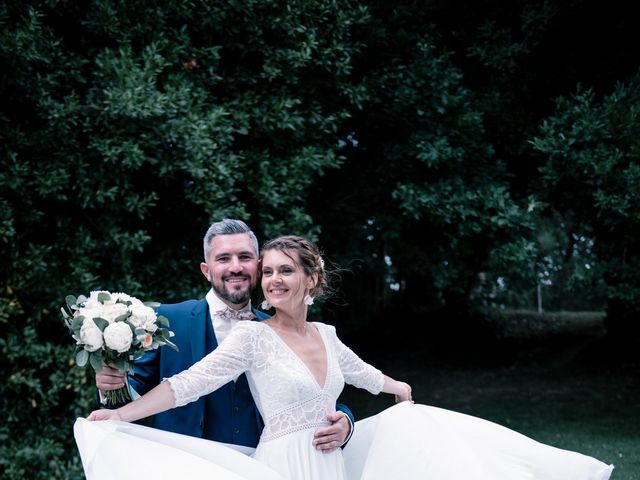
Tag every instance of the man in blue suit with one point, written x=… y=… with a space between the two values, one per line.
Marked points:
x=229 y=414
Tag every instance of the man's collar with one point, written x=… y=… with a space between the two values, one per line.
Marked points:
x=216 y=304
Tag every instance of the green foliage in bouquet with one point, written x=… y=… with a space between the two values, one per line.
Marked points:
x=114 y=329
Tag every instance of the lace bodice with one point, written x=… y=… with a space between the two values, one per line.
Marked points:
x=286 y=393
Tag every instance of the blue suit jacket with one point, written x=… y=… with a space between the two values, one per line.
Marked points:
x=227 y=423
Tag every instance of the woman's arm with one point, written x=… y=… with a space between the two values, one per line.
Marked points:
x=362 y=375
x=157 y=400
x=232 y=357
x=401 y=390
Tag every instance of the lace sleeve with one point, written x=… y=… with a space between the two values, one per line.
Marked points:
x=356 y=371
x=232 y=357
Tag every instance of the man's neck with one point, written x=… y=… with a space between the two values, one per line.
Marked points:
x=233 y=306
x=236 y=306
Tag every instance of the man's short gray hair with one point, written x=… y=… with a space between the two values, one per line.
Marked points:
x=227 y=227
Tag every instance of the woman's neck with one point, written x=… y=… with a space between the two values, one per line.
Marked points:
x=290 y=320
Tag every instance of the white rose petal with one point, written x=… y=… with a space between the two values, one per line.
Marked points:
x=91 y=335
x=92 y=302
x=111 y=312
x=141 y=316
x=118 y=336
x=91 y=313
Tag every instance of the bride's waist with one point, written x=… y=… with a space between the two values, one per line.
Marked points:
x=310 y=414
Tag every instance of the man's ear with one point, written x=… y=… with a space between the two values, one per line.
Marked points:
x=204 y=268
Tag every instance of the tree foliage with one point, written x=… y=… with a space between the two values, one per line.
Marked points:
x=424 y=195
x=591 y=169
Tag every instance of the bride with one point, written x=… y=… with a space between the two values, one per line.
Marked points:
x=296 y=370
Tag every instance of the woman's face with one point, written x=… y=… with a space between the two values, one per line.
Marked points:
x=284 y=282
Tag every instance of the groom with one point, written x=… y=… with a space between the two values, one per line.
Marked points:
x=229 y=414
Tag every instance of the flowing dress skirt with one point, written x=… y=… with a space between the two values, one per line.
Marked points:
x=125 y=451
x=419 y=441
x=404 y=441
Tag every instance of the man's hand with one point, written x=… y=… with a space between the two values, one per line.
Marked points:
x=328 y=439
x=109 y=378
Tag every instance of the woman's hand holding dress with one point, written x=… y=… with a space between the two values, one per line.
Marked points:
x=104 y=414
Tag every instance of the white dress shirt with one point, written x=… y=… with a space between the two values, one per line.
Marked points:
x=221 y=325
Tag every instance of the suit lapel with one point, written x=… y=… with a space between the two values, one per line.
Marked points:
x=198 y=334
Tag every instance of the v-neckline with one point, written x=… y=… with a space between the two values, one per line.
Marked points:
x=299 y=359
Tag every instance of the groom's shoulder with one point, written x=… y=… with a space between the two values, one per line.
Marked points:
x=182 y=308
x=260 y=315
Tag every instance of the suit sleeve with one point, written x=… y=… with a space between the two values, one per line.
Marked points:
x=146 y=372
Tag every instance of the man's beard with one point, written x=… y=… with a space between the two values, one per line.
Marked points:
x=236 y=297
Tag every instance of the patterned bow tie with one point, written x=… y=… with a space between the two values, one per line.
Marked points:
x=231 y=314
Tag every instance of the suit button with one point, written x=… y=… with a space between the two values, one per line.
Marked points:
x=236 y=430
x=236 y=409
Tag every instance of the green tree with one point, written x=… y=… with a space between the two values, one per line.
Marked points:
x=591 y=170
x=424 y=198
x=556 y=268
x=441 y=188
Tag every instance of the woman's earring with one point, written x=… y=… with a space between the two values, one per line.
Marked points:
x=308 y=299
x=265 y=305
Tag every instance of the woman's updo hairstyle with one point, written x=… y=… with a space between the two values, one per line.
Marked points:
x=308 y=257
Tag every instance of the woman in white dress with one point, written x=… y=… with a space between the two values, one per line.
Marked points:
x=296 y=370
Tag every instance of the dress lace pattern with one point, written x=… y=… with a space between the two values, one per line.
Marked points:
x=286 y=393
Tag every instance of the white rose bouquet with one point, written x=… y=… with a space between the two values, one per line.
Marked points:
x=114 y=329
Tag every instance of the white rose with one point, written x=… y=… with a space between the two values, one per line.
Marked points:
x=141 y=316
x=91 y=335
x=118 y=336
x=111 y=312
x=92 y=301
x=91 y=313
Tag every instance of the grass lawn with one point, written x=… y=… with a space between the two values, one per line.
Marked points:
x=573 y=389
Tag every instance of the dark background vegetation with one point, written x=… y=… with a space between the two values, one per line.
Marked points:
x=472 y=167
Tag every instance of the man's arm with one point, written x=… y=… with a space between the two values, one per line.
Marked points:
x=145 y=376
x=336 y=435
x=344 y=409
x=146 y=372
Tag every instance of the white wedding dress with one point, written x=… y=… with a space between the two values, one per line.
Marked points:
x=404 y=441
